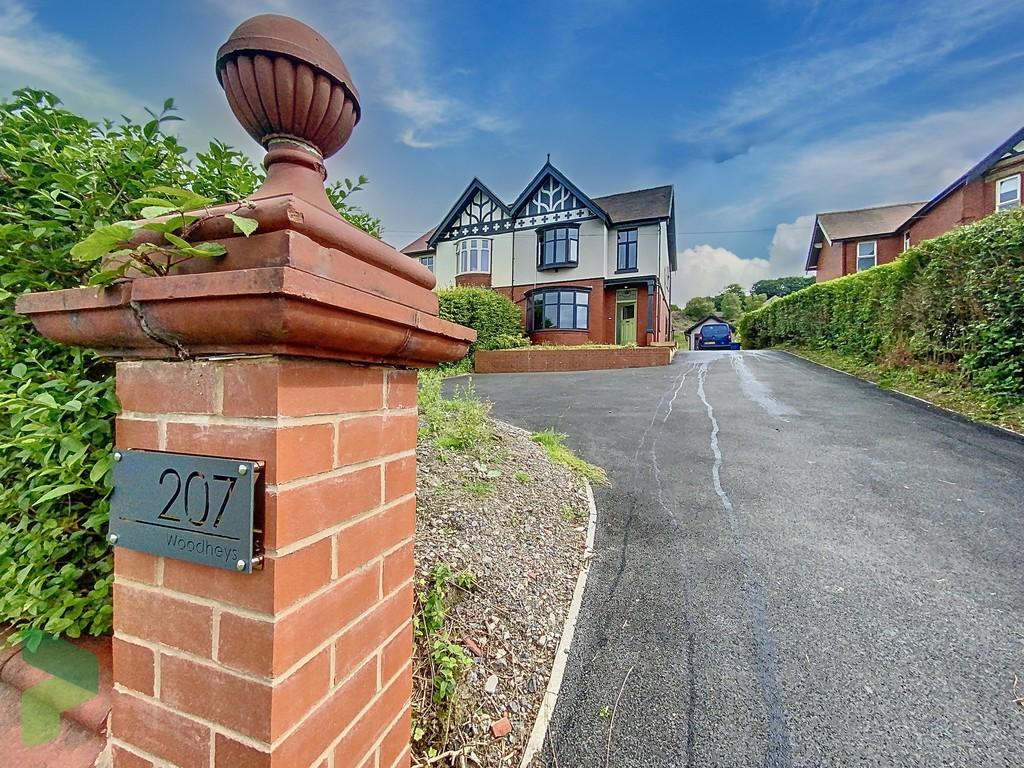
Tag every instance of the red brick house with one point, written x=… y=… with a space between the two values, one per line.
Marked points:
x=581 y=269
x=844 y=242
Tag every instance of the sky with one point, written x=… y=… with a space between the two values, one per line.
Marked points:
x=760 y=113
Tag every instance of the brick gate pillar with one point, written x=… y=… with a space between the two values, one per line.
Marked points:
x=296 y=350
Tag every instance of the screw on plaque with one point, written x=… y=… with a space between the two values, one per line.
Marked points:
x=242 y=469
x=117 y=455
x=112 y=538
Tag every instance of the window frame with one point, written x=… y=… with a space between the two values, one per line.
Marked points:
x=1010 y=205
x=906 y=241
x=424 y=261
x=624 y=266
x=576 y=305
x=466 y=251
x=572 y=236
x=874 y=254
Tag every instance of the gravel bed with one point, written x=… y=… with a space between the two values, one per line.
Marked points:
x=523 y=538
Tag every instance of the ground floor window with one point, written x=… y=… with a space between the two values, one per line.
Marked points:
x=561 y=309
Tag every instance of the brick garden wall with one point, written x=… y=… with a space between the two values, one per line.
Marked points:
x=533 y=360
x=306 y=662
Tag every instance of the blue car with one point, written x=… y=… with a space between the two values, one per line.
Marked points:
x=714 y=336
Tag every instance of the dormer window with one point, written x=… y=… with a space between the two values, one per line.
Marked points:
x=473 y=256
x=558 y=247
x=1008 y=193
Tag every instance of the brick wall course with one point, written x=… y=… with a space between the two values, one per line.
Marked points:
x=552 y=359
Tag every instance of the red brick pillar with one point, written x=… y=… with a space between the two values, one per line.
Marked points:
x=296 y=349
x=308 y=660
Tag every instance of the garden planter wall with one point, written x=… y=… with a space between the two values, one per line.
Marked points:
x=548 y=359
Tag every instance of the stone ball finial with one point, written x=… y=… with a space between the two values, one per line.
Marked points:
x=286 y=84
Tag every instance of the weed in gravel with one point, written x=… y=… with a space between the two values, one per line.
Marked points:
x=479 y=488
x=554 y=445
x=457 y=423
x=605 y=712
x=448 y=660
x=571 y=515
x=522 y=477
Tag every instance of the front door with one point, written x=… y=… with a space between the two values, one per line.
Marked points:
x=625 y=327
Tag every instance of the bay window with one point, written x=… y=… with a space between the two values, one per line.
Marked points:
x=561 y=309
x=473 y=255
x=558 y=247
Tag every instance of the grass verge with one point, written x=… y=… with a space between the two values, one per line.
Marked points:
x=938 y=385
x=458 y=423
x=554 y=445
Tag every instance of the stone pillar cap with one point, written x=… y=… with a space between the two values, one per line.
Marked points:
x=306 y=282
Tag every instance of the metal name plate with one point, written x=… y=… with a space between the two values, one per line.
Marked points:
x=196 y=508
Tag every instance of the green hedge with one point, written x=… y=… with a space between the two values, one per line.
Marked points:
x=956 y=300
x=497 y=321
x=62 y=176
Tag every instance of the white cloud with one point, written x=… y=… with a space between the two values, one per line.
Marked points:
x=437 y=120
x=788 y=252
x=31 y=55
x=704 y=270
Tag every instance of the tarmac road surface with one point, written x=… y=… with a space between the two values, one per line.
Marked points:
x=793 y=568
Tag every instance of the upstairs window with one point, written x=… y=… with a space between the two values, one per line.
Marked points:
x=563 y=310
x=627 y=251
x=473 y=255
x=428 y=262
x=867 y=255
x=558 y=247
x=1008 y=193
x=906 y=241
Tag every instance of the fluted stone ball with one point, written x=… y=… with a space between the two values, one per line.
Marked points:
x=283 y=80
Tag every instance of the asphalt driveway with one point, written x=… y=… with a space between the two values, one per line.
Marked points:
x=793 y=568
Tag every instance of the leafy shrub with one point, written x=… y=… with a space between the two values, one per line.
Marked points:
x=955 y=301
x=489 y=313
x=61 y=178
x=507 y=341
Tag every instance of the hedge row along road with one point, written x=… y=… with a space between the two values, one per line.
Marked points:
x=793 y=568
x=957 y=300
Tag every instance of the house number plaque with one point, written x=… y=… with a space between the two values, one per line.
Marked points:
x=196 y=508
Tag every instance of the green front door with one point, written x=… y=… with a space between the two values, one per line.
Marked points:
x=625 y=327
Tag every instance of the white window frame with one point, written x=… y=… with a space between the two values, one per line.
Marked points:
x=906 y=241
x=463 y=256
x=874 y=253
x=1009 y=204
x=424 y=261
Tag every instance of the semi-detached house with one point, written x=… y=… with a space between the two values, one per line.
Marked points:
x=844 y=242
x=581 y=269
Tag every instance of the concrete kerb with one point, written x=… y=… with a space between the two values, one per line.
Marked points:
x=547 y=707
x=915 y=400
